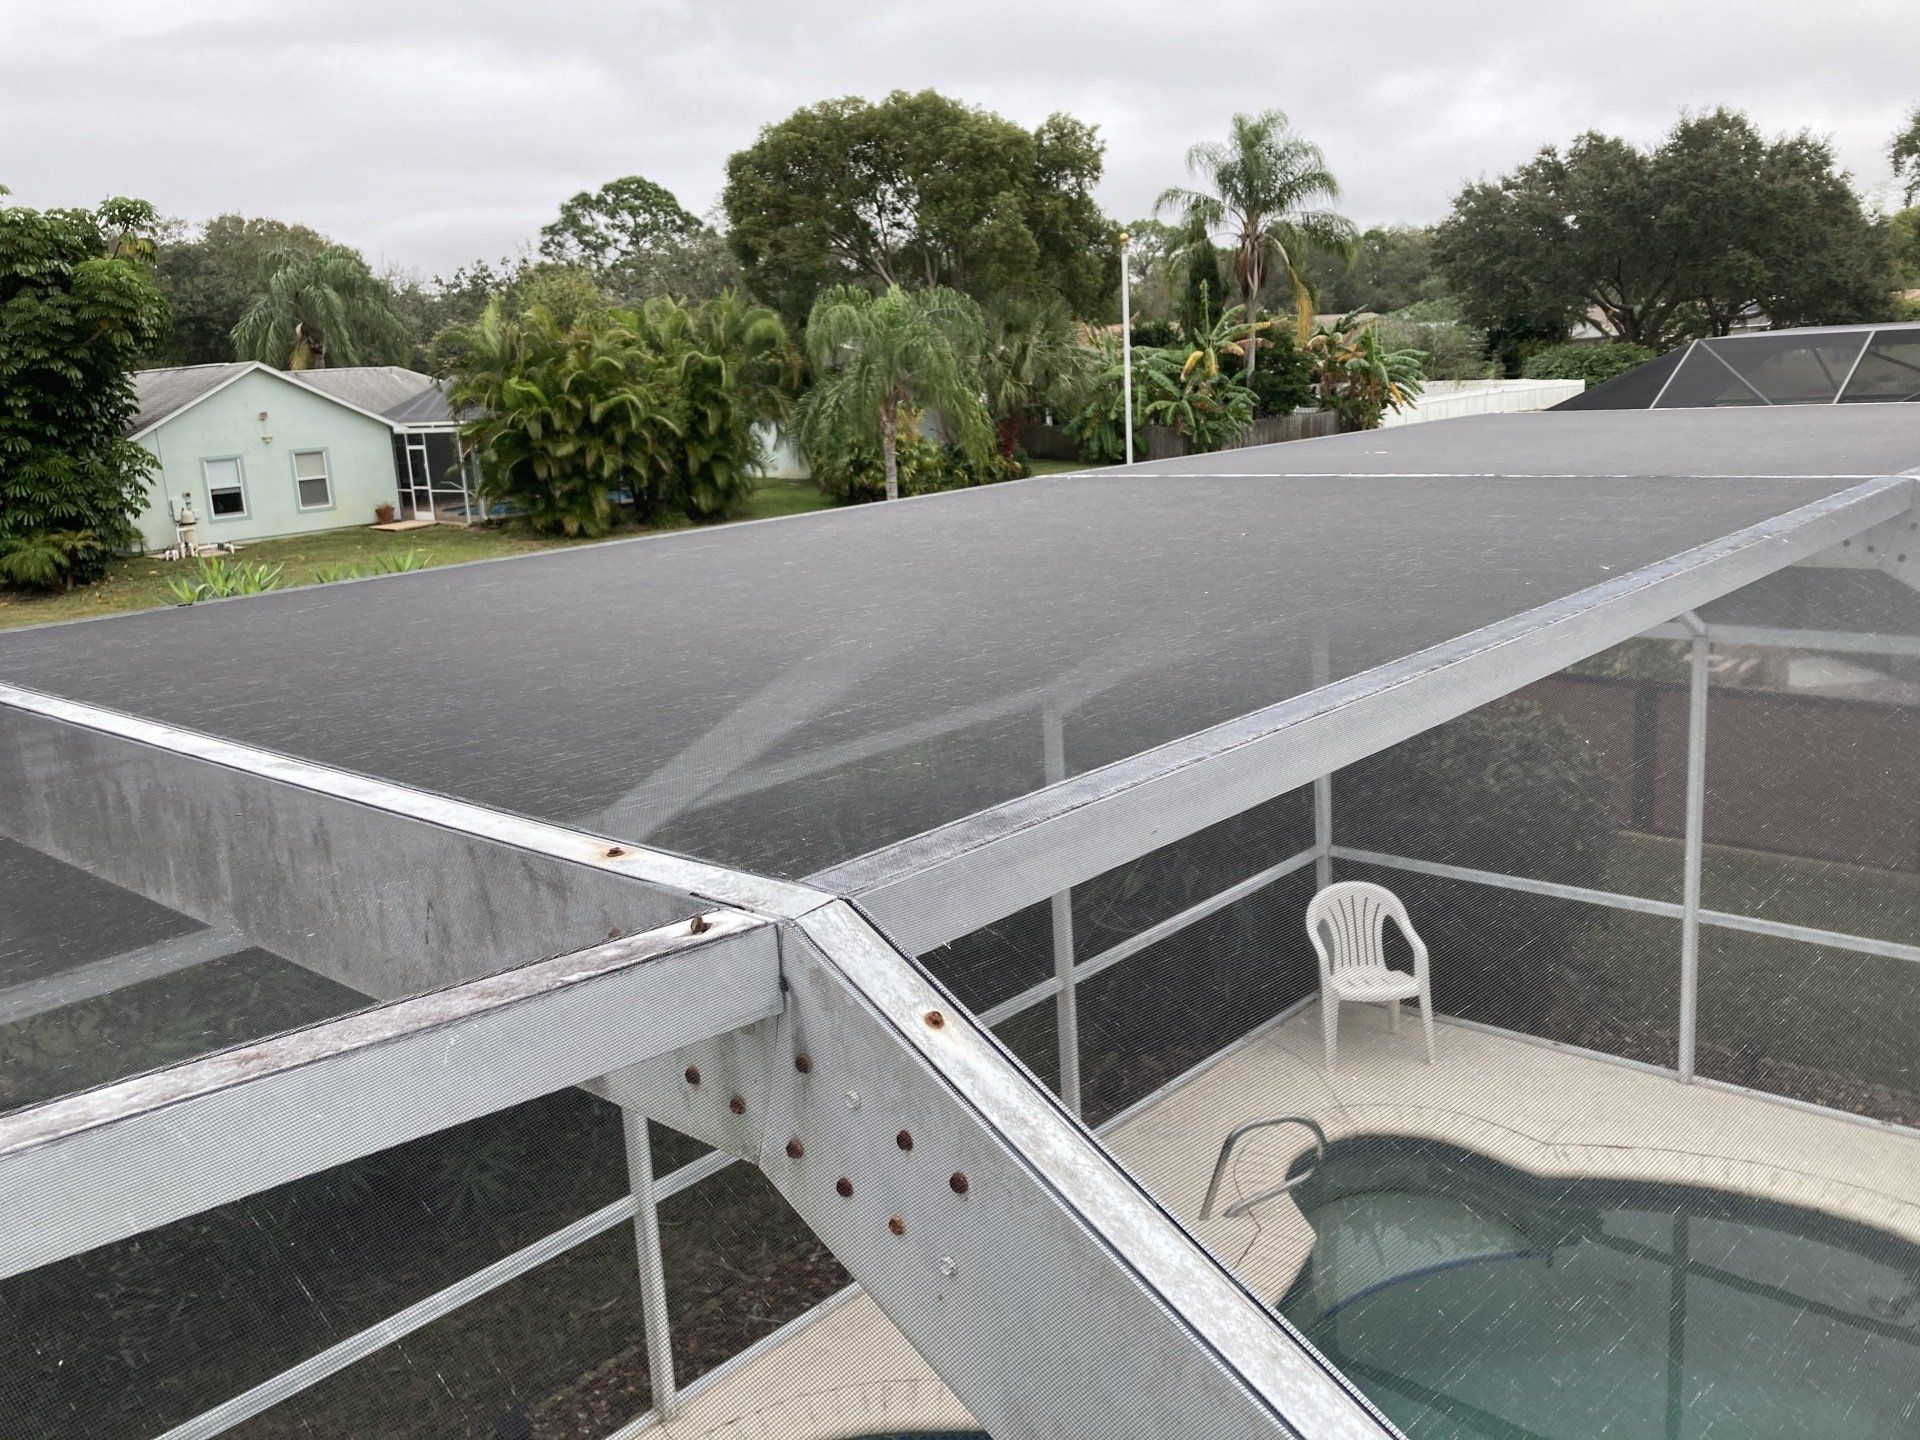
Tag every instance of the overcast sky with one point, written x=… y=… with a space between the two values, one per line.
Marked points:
x=428 y=134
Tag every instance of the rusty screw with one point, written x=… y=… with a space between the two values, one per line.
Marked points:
x=693 y=1074
x=904 y=1140
x=897 y=1225
x=614 y=852
x=845 y=1187
x=959 y=1182
x=803 y=1062
x=698 y=925
x=795 y=1149
x=935 y=1019
x=737 y=1105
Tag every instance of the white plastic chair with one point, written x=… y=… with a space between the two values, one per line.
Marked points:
x=1353 y=956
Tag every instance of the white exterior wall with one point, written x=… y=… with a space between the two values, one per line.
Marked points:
x=1451 y=399
x=227 y=424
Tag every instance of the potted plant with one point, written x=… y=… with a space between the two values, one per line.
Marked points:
x=383 y=514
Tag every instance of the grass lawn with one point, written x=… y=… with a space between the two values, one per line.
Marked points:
x=140 y=582
x=1059 y=467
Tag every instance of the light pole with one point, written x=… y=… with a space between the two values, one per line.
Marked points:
x=1126 y=341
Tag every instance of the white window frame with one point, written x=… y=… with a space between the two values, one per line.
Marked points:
x=245 y=512
x=326 y=474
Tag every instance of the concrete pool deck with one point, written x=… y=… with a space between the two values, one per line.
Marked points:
x=1548 y=1111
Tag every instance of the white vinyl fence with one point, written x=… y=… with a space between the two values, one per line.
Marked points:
x=1451 y=399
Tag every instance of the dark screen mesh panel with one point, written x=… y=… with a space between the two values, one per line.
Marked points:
x=1634 y=390
x=556 y=1354
x=1034 y=1038
x=671 y=1149
x=1581 y=974
x=1832 y=1026
x=740 y=1264
x=1889 y=372
x=1788 y=368
x=132 y=1338
x=998 y=961
x=1149 y=1019
x=1813 y=791
x=97 y=983
x=1704 y=381
x=1579 y=779
x=1124 y=901
x=1812 y=804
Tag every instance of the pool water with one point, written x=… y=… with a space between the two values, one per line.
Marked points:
x=1469 y=1300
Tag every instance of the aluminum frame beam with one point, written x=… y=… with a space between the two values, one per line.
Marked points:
x=153 y=1149
x=950 y=881
x=980 y=1215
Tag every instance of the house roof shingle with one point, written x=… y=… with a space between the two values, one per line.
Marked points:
x=400 y=396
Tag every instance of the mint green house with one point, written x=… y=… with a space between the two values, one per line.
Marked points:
x=260 y=453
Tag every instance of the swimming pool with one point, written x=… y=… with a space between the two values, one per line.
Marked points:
x=1470 y=1300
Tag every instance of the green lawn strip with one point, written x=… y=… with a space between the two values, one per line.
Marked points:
x=140 y=582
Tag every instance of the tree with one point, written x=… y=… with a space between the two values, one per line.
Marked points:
x=637 y=241
x=602 y=229
x=1905 y=154
x=1201 y=292
x=728 y=365
x=430 y=308
x=1713 y=224
x=80 y=308
x=1450 y=348
x=321 y=308
x=577 y=407
x=872 y=355
x=1356 y=376
x=1392 y=267
x=920 y=190
x=566 y=415
x=1265 y=185
x=209 y=278
x=1033 y=361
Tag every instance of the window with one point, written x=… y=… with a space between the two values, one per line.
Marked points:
x=310 y=480
x=226 y=488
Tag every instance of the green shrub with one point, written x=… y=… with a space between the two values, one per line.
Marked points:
x=1451 y=348
x=1593 y=362
x=1154 y=334
x=49 y=559
x=217 y=579
x=1283 y=380
x=1210 y=410
x=852 y=474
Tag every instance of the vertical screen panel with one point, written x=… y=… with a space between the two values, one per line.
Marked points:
x=132 y=1338
x=1578 y=779
x=1564 y=970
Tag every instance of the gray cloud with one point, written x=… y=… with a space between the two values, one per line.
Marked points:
x=432 y=133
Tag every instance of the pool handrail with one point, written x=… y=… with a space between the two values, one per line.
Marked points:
x=1241 y=1207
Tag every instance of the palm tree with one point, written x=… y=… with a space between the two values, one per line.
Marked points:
x=872 y=354
x=1265 y=187
x=318 y=308
x=1034 y=360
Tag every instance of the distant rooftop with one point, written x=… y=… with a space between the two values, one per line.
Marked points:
x=400 y=396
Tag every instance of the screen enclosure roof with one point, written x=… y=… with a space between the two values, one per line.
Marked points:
x=1813 y=365
x=786 y=696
